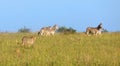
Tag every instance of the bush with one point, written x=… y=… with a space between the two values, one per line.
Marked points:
x=24 y=30
x=66 y=30
x=105 y=30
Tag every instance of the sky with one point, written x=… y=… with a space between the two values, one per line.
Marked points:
x=78 y=14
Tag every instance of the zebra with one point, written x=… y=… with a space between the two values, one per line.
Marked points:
x=94 y=30
x=44 y=30
x=53 y=29
x=48 y=30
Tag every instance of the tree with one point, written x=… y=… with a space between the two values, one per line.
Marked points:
x=24 y=30
x=66 y=30
x=105 y=30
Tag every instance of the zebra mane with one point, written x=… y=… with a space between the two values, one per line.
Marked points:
x=99 y=26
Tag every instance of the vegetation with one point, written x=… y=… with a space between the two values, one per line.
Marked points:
x=24 y=30
x=61 y=50
x=105 y=30
x=66 y=30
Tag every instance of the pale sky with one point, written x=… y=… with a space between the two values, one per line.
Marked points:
x=78 y=14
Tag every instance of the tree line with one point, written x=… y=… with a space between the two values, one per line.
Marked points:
x=62 y=29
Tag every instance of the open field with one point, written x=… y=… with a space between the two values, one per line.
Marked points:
x=61 y=50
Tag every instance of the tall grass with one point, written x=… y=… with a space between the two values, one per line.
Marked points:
x=61 y=50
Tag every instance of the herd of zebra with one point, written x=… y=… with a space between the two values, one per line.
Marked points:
x=47 y=31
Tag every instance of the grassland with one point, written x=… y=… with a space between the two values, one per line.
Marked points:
x=61 y=50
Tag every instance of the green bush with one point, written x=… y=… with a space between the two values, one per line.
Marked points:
x=24 y=30
x=66 y=30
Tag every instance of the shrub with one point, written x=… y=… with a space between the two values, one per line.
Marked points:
x=66 y=30
x=24 y=30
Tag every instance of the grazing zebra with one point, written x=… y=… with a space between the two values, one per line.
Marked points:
x=94 y=30
x=28 y=40
x=48 y=30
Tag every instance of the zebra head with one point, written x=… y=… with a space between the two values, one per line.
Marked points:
x=99 y=27
x=55 y=27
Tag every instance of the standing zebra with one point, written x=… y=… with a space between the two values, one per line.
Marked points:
x=94 y=30
x=48 y=30
x=44 y=31
x=53 y=29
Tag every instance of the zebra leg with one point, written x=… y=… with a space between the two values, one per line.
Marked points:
x=87 y=32
x=52 y=33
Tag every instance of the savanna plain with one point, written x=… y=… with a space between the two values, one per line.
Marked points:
x=61 y=50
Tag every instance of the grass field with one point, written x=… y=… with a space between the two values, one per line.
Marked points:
x=61 y=50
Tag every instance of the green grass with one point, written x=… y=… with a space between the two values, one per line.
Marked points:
x=61 y=50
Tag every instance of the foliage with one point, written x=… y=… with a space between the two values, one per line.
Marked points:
x=61 y=50
x=105 y=30
x=24 y=30
x=66 y=30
